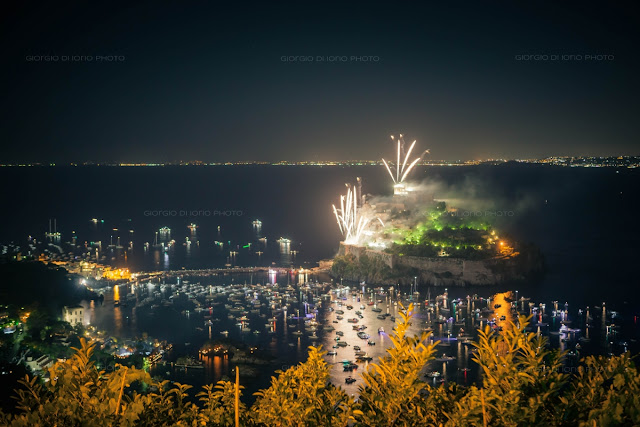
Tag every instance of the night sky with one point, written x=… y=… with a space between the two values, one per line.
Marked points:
x=213 y=82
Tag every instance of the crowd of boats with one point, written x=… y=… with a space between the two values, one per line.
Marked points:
x=334 y=315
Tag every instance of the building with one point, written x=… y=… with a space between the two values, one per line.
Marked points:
x=73 y=315
x=39 y=364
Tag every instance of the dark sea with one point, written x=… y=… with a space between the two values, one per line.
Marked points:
x=583 y=219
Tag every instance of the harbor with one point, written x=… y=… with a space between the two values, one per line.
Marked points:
x=269 y=319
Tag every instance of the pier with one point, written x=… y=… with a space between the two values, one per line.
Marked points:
x=229 y=270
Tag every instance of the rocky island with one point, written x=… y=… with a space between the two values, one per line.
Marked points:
x=412 y=236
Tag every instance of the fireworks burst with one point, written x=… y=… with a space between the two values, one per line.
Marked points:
x=352 y=224
x=401 y=168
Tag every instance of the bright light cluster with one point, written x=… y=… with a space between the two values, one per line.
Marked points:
x=352 y=224
x=401 y=168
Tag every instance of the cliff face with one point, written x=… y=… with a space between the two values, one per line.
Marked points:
x=442 y=271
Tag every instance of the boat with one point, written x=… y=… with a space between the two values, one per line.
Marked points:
x=433 y=374
x=348 y=367
x=371 y=342
x=189 y=362
x=364 y=358
x=356 y=347
x=332 y=353
x=350 y=380
x=224 y=333
x=354 y=320
x=381 y=317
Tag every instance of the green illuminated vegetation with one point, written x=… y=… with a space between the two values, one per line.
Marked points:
x=523 y=383
x=440 y=231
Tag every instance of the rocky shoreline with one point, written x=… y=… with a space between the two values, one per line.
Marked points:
x=375 y=267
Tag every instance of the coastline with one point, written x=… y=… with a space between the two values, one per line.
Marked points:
x=357 y=263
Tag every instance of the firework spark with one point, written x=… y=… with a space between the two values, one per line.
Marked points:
x=401 y=168
x=350 y=221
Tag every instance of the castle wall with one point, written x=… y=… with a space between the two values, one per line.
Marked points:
x=440 y=271
x=358 y=251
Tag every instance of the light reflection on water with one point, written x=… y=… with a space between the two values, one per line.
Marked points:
x=167 y=322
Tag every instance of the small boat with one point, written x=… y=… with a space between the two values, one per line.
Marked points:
x=380 y=330
x=350 y=380
x=332 y=353
x=433 y=374
x=370 y=342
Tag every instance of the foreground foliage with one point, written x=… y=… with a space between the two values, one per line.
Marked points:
x=523 y=383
